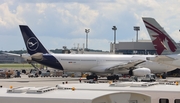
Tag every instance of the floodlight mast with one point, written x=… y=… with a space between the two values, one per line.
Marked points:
x=136 y=28
x=114 y=28
x=87 y=31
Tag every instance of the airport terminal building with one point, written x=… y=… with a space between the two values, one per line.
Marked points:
x=144 y=47
x=4 y=58
x=141 y=47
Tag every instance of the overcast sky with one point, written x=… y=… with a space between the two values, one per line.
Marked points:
x=60 y=23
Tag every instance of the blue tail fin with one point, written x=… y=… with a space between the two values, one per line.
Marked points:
x=32 y=43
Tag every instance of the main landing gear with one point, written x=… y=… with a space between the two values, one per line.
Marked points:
x=164 y=75
x=92 y=76
x=95 y=77
x=113 y=77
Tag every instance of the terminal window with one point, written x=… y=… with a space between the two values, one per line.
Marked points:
x=163 y=100
x=133 y=101
x=177 y=101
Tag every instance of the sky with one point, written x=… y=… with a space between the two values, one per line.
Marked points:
x=59 y=23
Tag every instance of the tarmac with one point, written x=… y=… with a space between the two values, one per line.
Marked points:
x=25 y=81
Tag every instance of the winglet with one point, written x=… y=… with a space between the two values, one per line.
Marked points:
x=32 y=43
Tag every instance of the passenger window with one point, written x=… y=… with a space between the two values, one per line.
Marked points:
x=163 y=100
x=177 y=101
x=133 y=101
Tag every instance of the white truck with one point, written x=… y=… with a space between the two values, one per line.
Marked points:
x=146 y=78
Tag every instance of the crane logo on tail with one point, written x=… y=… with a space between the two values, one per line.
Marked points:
x=32 y=43
x=161 y=41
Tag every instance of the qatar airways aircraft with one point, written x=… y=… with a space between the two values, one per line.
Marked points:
x=165 y=46
x=96 y=63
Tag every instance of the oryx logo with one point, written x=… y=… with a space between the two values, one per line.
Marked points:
x=161 y=41
x=32 y=43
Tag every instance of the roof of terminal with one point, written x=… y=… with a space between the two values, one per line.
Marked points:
x=128 y=86
x=59 y=94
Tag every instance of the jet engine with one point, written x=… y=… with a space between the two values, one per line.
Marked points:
x=26 y=57
x=140 y=72
x=37 y=56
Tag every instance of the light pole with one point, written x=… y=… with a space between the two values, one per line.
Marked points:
x=87 y=31
x=114 y=28
x=136 y=28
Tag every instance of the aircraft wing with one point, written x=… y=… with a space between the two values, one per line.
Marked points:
x=116 y=68
x=127 y=65
x=12 y=54
x=24 y=56
x=161 y=58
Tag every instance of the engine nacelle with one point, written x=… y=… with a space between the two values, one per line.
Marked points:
x=26 y=57
x=141 y=72
x=37 y=56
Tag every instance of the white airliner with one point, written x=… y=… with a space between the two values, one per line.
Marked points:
x=95 y=63
x=163 y=43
